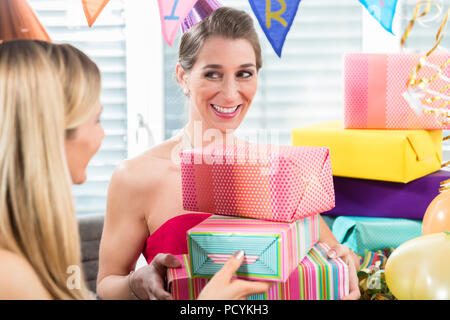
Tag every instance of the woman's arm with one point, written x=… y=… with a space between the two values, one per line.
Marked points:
x=123 y=236
x=325 y=233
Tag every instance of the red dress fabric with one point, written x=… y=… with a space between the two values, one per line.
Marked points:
x=170 y=237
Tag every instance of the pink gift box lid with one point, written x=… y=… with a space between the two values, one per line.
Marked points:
x=278 y=183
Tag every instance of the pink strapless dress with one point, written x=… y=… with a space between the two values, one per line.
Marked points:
x=170 y=237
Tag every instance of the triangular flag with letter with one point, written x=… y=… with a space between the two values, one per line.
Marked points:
x=92 y=9
x=275 y=18
x=382 y=10
x=172 y=14
x=18 y=21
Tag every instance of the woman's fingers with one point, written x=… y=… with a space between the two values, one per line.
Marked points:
x=155 y=287
x=223 y=287
x=162 y=261
x=231 y=266
x=343 y=252
x=247 y=288
x=338 y=251
x=354 y=293
x=150 y=279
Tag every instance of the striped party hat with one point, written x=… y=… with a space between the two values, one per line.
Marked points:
x=201 y=10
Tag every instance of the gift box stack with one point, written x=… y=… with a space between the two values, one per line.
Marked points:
x=264 y=201
x=386 y=157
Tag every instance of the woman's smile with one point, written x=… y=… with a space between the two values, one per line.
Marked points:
x=226 y=112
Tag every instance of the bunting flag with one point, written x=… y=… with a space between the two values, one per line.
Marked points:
x=172 y=14
x=18 y=21
x=382 y=10
x=275 y=18
x=92 y=9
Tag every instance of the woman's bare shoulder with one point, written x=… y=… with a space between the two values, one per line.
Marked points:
x=18 y=280
x=147 y=169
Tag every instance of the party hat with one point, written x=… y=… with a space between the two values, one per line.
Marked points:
x=201 y=10
x=18 y=21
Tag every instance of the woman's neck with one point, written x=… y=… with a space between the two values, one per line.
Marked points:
x=200 y=136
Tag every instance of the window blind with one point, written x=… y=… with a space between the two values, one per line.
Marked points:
x=301 y=88
x=422 y=38
x=105 y=44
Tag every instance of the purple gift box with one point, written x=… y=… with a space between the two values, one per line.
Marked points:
x=371 y=198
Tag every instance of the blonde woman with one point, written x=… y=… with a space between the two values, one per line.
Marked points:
x=49 y=130
x=49 y=98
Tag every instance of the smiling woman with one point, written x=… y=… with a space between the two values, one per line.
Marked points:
x=219 y=59
x=221 y=83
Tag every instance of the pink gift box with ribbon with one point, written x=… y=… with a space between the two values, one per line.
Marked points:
x=277 y=183
x=376 y=95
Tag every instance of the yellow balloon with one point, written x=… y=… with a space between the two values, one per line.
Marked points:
x=419 y=269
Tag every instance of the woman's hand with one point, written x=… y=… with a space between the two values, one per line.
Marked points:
x=222 y=287
x=343 y=252
x=147 y=283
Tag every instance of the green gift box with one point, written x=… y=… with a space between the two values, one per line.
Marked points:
x=360 y=233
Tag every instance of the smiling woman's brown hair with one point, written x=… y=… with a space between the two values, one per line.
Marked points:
x=46 y=90
x=224 y=22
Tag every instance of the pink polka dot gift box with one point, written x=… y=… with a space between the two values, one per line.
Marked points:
x=376 y=94
x=276 y=183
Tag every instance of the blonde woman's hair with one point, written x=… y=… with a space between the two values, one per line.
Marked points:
x=46 y=91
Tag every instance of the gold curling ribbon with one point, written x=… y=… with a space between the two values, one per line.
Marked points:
x=424 y=82
x=439 y=36
x=445 y=185
x=416 y=15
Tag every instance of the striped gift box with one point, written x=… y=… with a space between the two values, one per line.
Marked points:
x=276 y=183
x=316 y=278
x=272 y=249
x=181 y=284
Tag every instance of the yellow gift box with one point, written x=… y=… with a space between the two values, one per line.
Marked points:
x=387 y=155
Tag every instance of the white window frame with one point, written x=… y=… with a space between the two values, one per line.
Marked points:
x=145 y=85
